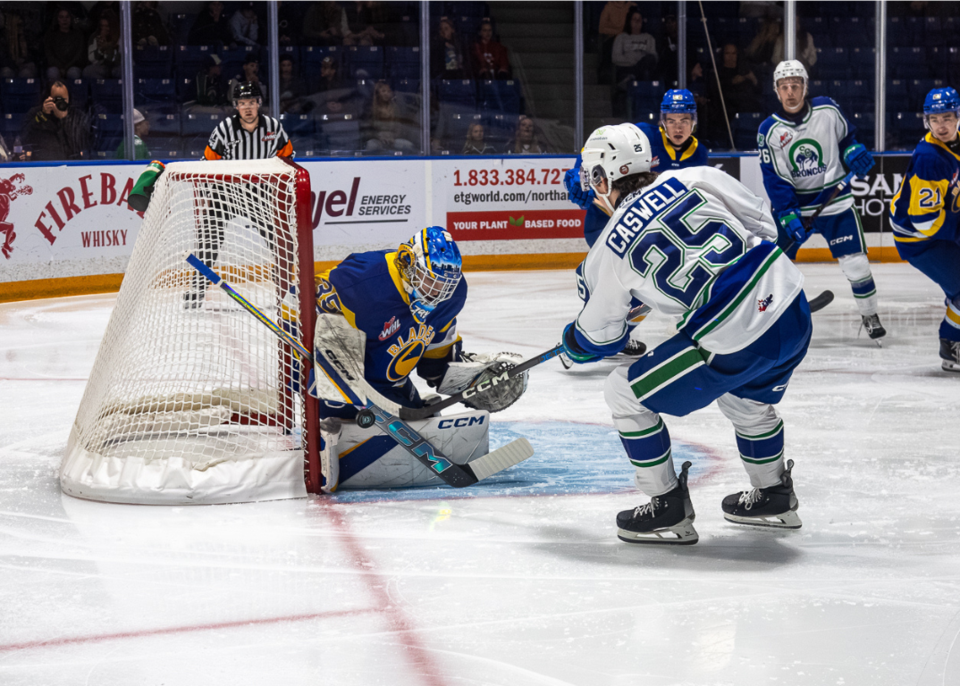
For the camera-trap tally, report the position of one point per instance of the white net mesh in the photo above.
(191, 398)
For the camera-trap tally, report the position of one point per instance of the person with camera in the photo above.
(55, 131)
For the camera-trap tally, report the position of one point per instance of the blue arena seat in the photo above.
(453, 125)
(189, 59)
(457, 91)
(20, 95)
(298, 125)
(906, 127)
(152, 62)
(833, 63)
(645, 96)
(908, 63)
(163, 123)
(746, 125)
(154, 91)
(363, 61)
(340, 133)
(79, 93)
(163, 147)
(499, 128)
(406, 85)
(10, 126)
(199, 124)
(403, 63)
(107, 94)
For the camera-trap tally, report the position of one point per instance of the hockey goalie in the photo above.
(401, 308)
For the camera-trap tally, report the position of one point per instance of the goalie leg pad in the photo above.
(369, 459)
(330, 430)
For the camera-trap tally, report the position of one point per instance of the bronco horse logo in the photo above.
(806, 156)
(8, 193)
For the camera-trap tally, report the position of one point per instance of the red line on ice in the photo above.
(146, 633)
(399, 623)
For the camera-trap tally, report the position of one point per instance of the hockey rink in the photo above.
(520, 580)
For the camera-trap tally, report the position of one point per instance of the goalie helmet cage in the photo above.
(191, 399)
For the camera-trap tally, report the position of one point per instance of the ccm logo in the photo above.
(777, 389)
(459, 423)
(842, 239)
(485, 385)
(332, 356)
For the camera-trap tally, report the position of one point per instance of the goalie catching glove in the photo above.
(485, 372)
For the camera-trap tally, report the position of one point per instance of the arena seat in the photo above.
(363, 61)
(298, 124)
(107, 94)
(746, 125)
(154, 91)
(164, 123)
(20, 95)
(340, 133)
(79, 92)
(199, 124)
(908, 63)
(152, 62)
(461, 92)
(403, 63)
(189, 59)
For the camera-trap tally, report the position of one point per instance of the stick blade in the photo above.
(821, 301)
(512, 453)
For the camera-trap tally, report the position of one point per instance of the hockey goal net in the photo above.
(191, 398)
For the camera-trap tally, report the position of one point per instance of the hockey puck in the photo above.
(366, 419)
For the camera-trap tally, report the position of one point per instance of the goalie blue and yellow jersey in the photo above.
(367, 289)
(925, 206)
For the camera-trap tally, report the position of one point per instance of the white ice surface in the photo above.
(522, 581)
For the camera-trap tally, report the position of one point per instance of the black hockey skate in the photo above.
(631, 351)
(666, 519)
(774, 507)
(871, 322)
(950, 354)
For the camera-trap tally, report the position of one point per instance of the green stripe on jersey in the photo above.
(741, 296)
(666, 372)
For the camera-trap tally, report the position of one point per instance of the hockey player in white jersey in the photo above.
(803, 149)
(697, 245)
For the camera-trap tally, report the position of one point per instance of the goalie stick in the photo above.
(406, 437)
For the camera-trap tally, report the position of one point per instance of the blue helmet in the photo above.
(431, 265)
(678, 101)
(940, 101)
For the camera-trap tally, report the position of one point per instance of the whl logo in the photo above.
(8, 193)
(389, 328)
(806, 157)
(518, 222)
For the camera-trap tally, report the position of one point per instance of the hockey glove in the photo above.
(573, 350)
(858, 160)
(792, 224)
(579, 197)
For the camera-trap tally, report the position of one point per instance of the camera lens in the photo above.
(61, 104)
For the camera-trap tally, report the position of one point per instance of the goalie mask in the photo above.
(610, 154)
(431, 265)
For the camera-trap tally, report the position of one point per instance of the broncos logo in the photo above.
(806, 158)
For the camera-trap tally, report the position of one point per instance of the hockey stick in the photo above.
(820, 301)
(406, 437)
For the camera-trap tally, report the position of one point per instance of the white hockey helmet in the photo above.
(789, 68)
(611, 153)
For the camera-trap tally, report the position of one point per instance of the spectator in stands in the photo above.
(148, 28)
(806, 50)
(525, 140)
(474, 144)
(447, 56)
(211, 27)
(291, 86)
(612, 19)
(388, 121)
(65, 48)
(211, 90)
(634, 52)
(99, 9)
(761, 47)
(16, 55)
(251, 74)
(141, 127)
(324, 24)
(362, 18)
(741, 88)
(104, 50)
(243, 25)
(54, 130)
(490, 60)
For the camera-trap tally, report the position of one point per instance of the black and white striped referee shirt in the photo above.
(230, 141)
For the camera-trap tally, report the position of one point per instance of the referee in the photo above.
(246, 135)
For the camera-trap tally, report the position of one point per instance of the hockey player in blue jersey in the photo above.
(803, 149)
(673, 146)
(406, 302)
(925, 213)
(697, 245)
